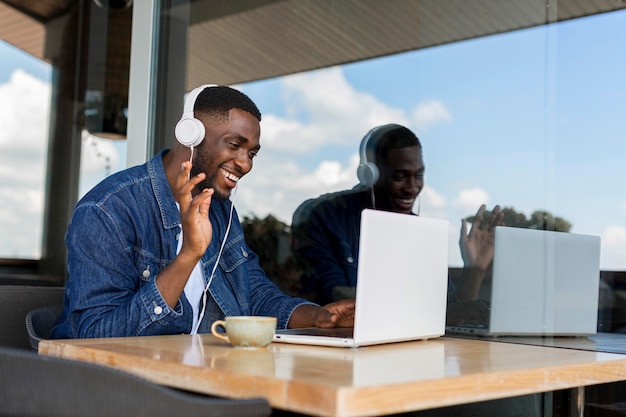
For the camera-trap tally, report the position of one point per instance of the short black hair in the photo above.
(392, 136)
(219, 100)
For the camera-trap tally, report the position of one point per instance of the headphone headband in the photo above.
(190, 101)
(367, 171)
(189, 130)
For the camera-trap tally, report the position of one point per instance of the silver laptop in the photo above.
(544, 283)
(402, 284)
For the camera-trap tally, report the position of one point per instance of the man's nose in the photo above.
(244, 162)
(413, 184)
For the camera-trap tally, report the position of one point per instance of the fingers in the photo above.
(496, 210)
(329, 320)
(203, 201)
(478, 218)
(337, 314)
(481, 211)
(185, 185)
(463, 229)
(183, 175)
(489, 222)
(495, 218)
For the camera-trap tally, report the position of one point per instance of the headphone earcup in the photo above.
(189, 131)
(367, 173)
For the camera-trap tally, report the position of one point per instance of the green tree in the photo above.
(270, 239)
(539, 219)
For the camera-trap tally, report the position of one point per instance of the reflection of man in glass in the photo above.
(391, 174)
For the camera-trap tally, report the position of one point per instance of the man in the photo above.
(391, 174)
(158, 248)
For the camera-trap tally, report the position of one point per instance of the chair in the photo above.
(39, 322)
(15, 303)
(47, 386)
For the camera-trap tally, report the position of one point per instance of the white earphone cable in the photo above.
(219, 255)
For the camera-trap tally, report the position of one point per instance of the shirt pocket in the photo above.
(234, 255)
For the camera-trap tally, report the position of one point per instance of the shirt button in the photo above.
(158, 310)
(146, 273)
(350, 259)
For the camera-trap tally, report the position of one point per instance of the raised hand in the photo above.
(477, 246)
(194, 212)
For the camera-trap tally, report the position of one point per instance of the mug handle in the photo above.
(215, 325)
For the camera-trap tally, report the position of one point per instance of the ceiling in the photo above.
(233, 42)
(272, 38)
(41, 10)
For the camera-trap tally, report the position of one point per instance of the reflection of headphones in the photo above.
(367, 171)
(189, 130)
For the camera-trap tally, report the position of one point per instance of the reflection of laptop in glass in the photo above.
(395, 364)
(402, 284)
(544, 283)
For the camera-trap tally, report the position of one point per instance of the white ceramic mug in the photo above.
(246, 331)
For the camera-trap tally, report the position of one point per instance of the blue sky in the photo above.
(531, 119)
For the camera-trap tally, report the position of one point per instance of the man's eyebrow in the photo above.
(409, 169)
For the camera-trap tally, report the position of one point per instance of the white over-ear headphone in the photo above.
(367, 171)
(189, 130)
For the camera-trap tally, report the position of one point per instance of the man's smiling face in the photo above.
(401, 179)
(227, 151)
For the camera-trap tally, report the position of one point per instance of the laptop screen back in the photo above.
(402, 277)
(544, 282)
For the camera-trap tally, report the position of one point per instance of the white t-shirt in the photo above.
(194, 288)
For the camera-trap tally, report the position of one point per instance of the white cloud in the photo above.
(24, 133)
(431, 203)
(322, 109)
(331, 173)
(613, 254)
(97, 154)
(288, 136)
(469, 200)
(278, 186)
(429, 113)
(24, 113)
(99, 158)
(326, 96)
(24, 118)
(334, 113)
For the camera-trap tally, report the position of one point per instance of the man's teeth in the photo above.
(230, 176)
(407, 201)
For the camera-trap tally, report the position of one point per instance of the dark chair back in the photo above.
(46, 386)
(15, 303)
(39, 322)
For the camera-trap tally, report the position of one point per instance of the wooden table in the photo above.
(600, 342)
(367, 381)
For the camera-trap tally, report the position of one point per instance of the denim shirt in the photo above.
(123, 233)
(326, 240)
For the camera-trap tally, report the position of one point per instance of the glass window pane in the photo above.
(25, 122)
(513, 107)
